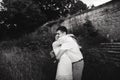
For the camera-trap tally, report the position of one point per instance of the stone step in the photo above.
(113, 43)
(113, 58)
(117, 52)
(110, 45)
(110, 49)
(105, 55)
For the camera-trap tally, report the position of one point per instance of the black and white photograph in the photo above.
(59, 40)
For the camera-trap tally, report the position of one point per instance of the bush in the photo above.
(27, 58)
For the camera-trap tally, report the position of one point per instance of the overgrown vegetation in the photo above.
(20, 17)
(25, 55)
(27, 58)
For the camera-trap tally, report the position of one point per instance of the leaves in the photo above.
(20, 17)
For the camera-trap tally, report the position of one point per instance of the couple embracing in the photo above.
(68, 55)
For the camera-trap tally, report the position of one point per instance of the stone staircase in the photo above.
(103, 62)
(111, 46)
(111, 52)
(107, 52)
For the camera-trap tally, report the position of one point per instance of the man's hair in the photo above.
(62, 28)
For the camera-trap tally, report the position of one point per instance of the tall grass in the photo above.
(27, 58)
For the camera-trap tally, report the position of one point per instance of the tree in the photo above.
(19, 17)
(78, 6)
(61, 7)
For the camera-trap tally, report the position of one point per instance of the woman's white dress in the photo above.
(64, 69)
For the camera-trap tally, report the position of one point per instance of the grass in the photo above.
(27, 58)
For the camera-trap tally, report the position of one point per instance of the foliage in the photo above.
(61, 7)
(28, 57)
(19, 17)
(78, 6)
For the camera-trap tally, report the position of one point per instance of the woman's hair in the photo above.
(62, 28)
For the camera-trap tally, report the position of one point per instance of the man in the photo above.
(68, 54)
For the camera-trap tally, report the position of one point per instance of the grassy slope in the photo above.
(27, 58)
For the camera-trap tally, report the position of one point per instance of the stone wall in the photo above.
(104, 18)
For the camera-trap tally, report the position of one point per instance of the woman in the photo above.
(64, 68)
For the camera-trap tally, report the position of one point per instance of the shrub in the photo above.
(27, 58)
